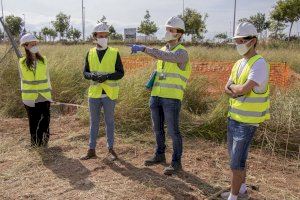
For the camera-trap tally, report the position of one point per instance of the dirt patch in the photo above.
(57, 173)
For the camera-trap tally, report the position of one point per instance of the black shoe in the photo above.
(156, 159)
(112, 155)
(91, 154)
(173, 168)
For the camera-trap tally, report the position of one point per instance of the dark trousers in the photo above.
(166, 110)
(39, 120)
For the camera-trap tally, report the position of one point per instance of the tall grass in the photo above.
(10, 102)
(202, 115)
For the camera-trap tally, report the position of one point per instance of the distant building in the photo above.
(146, 38)
(130, 34)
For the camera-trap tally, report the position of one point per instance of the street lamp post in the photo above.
(182, 8)
(24, 21)
(2, 9)
(83, 20)
(234, 15)
(3, 18)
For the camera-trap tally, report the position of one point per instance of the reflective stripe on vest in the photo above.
(175, 80)
(107, 66)
(252, 99)
(173, 75)
(166, 85)
(249, 113)
(36, 91)
(35, 82)
(250, 108)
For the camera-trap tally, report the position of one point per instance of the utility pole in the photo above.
(182, 8)
(234, 15)
(83, 20)
(24, 21)
(298, 28)
(230, 28)
(2, 9)
(3, 19)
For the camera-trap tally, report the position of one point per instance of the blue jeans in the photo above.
(166, 110)
(239, 137)
(95, 106)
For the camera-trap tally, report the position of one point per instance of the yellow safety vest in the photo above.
(250, 108)
(34, 82)
(175, 81)
(107, 66)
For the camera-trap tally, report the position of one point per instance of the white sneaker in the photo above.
(244, 196)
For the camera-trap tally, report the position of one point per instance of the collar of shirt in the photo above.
(170, 48)
(99, 49)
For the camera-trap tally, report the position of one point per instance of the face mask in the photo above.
(102, 42)
(170, 36)
(34, 49)
(242, 49)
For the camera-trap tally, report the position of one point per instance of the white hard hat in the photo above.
(245, 29)
(175, 22)
(28, 37)
(102, 27)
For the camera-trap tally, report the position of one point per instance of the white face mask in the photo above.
(34, 49)
(242, 49)
(102, 42)
(170, 36)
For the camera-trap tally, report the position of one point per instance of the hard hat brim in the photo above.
(174, 27)
(101, 32)
(243, 36)
(29, 41)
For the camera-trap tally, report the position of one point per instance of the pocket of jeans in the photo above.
(171, 102)
(244, 131)
(152, 102)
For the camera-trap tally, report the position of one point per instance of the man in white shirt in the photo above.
(249, 104)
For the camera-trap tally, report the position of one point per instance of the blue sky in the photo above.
(129, 13)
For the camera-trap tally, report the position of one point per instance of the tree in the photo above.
(61, 24)
(102, 20)
(221, 36)
(73, 34)
(259, 21)
(45, 32)
(38, 36)
(194, 23)
(116, 36)
(113, 35)
(276, 28)
(14, 24)
(112, 30)
(52, 34)
(287, 11)
(277, 22)
(147, 26)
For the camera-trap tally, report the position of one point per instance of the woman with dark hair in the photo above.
(36, 90)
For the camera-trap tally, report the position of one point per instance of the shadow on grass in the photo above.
(177, 188)
(66, 168)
